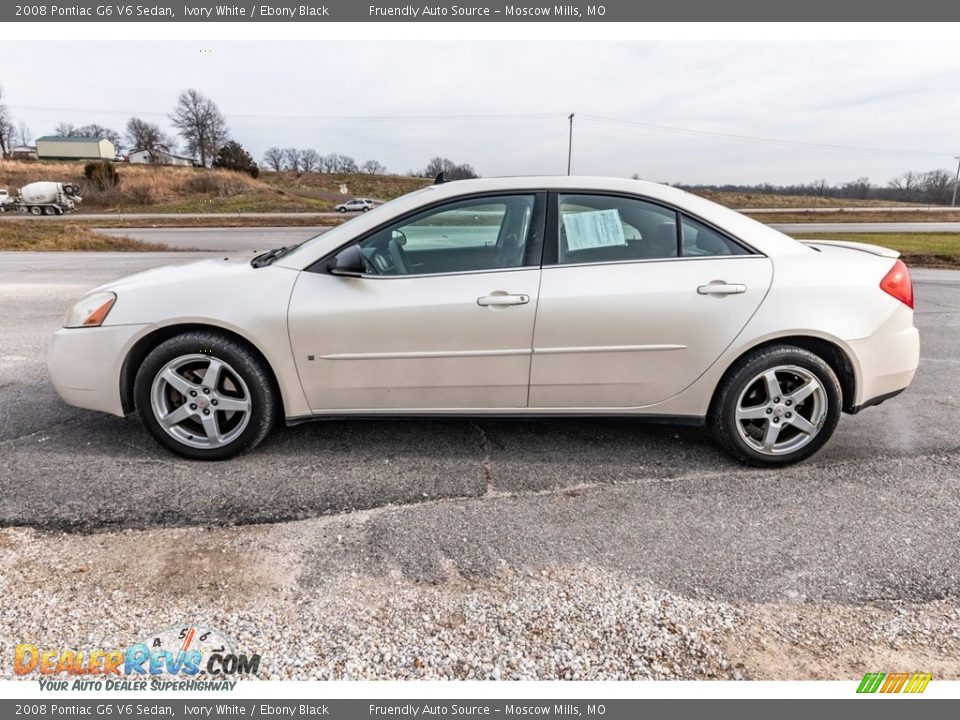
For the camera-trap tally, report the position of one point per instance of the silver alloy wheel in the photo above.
(781, 410)
(200, 401)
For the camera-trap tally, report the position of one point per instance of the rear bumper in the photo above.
(887, 359)
(84, 365)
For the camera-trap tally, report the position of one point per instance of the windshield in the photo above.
(383, 209)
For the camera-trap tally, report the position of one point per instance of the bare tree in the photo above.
(6, 127)
(65, 129)
(93, 130)
(450, 169)
(292, 158)
(326, 163)
(273, 159)
(200, 124)
(309, 160)
(143, 135)
(372, 167)
(24, 136)
(337, 163)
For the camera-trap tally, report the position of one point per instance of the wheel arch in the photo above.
(145, 345)
(830, 351)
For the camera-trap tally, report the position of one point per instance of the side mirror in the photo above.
(348, 261)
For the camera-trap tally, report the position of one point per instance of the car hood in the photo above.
(180, 273)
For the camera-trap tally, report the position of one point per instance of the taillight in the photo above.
(897, 284)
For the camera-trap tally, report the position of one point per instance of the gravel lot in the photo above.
(451, 548)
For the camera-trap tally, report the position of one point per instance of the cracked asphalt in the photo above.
(872, 518)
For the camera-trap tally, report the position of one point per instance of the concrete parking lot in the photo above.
(874, 518)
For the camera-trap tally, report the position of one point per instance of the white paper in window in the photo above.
(592, 229)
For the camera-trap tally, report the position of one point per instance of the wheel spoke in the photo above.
(772, 385)
(229, 404)
(770, 435)
(176, 416)
(757, 412)
(802, 424)
(178, 382)
(211, 427)
(804, 391)
(211, 378)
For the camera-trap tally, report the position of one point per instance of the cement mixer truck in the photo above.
(41, 198)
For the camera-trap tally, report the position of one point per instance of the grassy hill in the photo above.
(145, 188)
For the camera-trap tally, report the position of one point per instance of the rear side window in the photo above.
(700, 240)
(602, 228)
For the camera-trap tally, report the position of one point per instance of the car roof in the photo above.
(759, 236)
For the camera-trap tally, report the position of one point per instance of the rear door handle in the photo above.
(500, 299)
(721, 288)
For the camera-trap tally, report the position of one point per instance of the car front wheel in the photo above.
(205, 396)
(776, 406)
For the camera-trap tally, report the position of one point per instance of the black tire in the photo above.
(265, 405)
(739, 380)
(341, 210)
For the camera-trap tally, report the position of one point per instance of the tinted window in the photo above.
(601, 228)
(700, 240)
(469, 235)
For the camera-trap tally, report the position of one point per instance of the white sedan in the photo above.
(537, 296)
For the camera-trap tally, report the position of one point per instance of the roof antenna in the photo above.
(439, 180)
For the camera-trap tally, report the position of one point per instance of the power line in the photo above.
(756, 139)
(322, 118)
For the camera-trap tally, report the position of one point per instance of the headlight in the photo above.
(91, 310)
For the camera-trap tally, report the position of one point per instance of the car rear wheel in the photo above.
(205, 396)
(777, 406)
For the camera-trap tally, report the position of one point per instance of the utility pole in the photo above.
(570, 145)
(956, 180)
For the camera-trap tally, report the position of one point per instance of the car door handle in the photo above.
(500, 299)
(721, 288)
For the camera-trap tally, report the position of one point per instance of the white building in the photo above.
(142, 157)
(59, 147)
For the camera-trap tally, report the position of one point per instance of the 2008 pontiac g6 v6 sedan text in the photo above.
(521, 296)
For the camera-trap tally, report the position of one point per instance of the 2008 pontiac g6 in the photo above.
(522, 296)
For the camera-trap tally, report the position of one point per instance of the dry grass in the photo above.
(146, 188)
(327, 187)
(53, 237)
(766, 200)
(857, 217)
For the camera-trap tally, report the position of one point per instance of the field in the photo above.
(149, 189)
(920, 249)
(769, 200)
(26, 235)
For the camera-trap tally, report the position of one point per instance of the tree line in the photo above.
(931, 187)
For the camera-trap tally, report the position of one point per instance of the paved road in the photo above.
(163, 216)
(228, 239)
(876, 515)
(867, 227)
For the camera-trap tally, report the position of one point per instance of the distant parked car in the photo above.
(535, 297)
(356, 205)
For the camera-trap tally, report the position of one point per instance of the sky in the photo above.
(801, 111)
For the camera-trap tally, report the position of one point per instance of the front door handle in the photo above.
(721, 288)
(501, 299)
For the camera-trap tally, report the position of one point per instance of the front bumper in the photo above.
(85, 364)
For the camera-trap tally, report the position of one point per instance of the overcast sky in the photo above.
(899, 101)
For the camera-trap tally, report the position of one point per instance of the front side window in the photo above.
(602, 228)
(469, 235)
